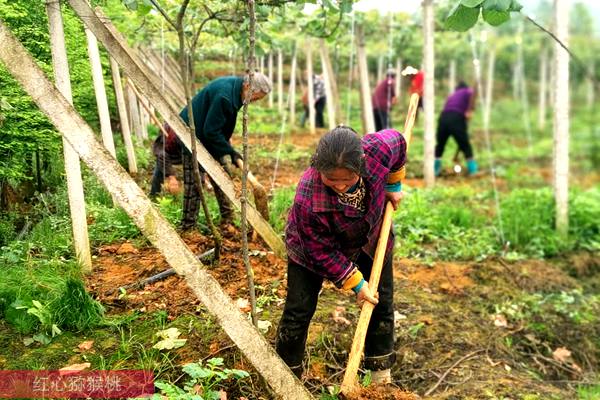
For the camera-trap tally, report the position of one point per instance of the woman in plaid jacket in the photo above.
(332, 233)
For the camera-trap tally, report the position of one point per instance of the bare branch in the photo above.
(163, 13)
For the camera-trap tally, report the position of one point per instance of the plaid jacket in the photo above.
(324, 235)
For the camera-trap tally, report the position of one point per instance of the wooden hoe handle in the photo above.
(251, 178)
(349, 384)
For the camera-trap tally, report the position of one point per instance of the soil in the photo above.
(121, 264)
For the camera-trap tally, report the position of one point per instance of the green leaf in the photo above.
(495, 18)
(131, 4)
(515, 6)
(462, 18)
(197, 371)
(496, 5)
(170, 339)
(471, 3)
(215, 362)
(42, 338)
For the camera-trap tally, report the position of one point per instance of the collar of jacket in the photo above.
(236, 94)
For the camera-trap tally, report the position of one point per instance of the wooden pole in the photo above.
(100, 90)
(270, 67)
(134, 111)
(123, 117)
(335, 94)
(452, 76)
(368, 121)
(75, 192)
(331, 117)
(561, 118)
(543, 91)
(428, 92)
(292, 93)
(349, 384)
(310, 88)
(280, 81)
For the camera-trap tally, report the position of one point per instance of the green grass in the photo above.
(591, 392)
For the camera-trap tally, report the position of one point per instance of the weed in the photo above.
(74, 309)
(591, 392)
(205, 381)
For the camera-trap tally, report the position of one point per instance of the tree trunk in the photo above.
(327, 78)
(148, 219)
(368, 122)
(292, 88)
(428, 92)
(270, 64)
(561, 118)
(280, 81)
(310, 87)
(452, 76)
(543, 89)
(122, 108)
(72, 167)
(99, 89)
(146, 83)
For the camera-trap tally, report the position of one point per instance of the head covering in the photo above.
(391, 72)
(410, 70)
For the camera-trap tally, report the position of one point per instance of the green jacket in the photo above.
(215, 112)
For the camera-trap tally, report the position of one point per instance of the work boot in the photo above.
(381, 377)
(472, 166)
(437, 166)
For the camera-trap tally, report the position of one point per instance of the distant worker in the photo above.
(383, 99)
(320, 100)
(215, 110)
(416, 83)
(453, 122)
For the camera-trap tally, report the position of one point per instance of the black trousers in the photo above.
(319, 108)
(382, 119)
(453, 124)
(300, 305)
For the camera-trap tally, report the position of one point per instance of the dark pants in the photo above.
(191, 198)
(319, 108)
(382, 120)
(453, 124)
(301, 303)
(164, 164)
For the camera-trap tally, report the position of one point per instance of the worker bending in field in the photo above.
(453, 122)
(215, 110)
(332, 232)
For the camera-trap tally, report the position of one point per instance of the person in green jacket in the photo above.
(215, 110)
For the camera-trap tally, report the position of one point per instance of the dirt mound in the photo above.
(446, 277)
(377, 392)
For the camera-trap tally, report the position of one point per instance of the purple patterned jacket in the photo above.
(324, 235)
